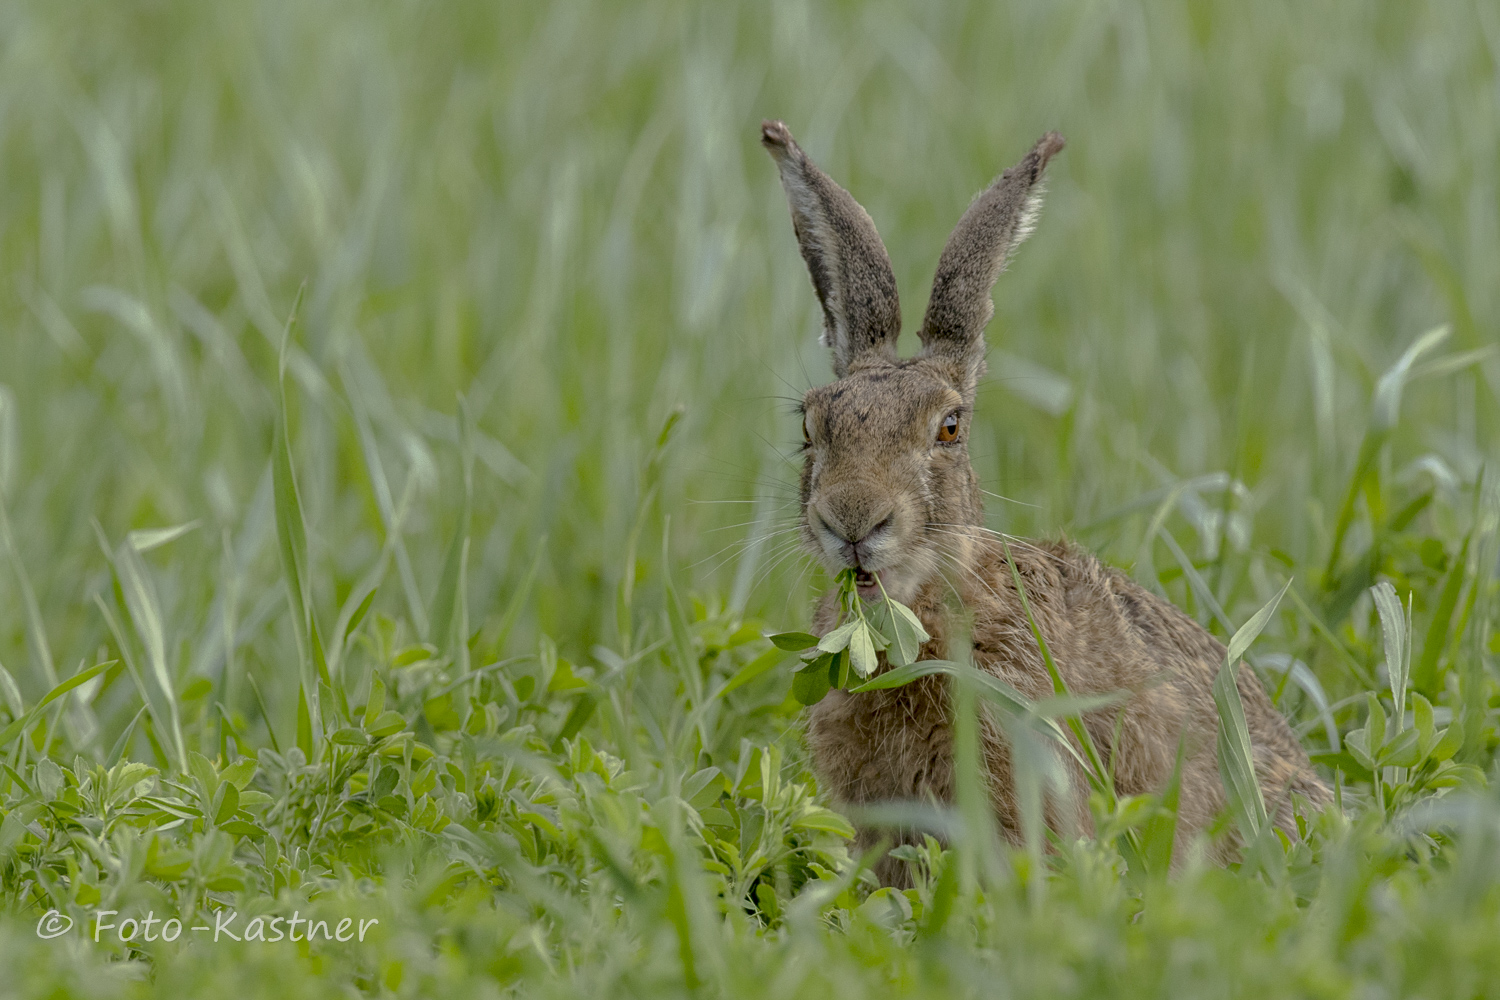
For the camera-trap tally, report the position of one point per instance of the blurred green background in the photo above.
(560, 212)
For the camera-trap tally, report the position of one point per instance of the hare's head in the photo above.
(886, 483)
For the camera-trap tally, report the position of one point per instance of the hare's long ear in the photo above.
(995, 224)
(850, 270)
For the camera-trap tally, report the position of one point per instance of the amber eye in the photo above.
(949, 431)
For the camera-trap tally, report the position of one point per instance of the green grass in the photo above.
(461, 340)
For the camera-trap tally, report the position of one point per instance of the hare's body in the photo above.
(1106, 634)
(887, 489)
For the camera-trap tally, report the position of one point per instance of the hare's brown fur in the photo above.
(887, 489)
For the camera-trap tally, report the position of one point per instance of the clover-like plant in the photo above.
(852, 649)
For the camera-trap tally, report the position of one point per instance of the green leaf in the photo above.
(1236, 762)
(11, 693)
(1357, 744)
(810, 684)
(48, 777)
(840, 637)
(838, 669)
(862, 651)
(564, 680)
(147, 539)
(582, 709)
(755, 668)
(241, 828)
(360, 612)
(386, 724)
(1395, 628)
(901, 676)
(375, 705)
(1424, 676)
(291, 534)
(226, 803)
(703, 788)
(1384, 412)
(1094, 768)
(825, 820)
(240, 772)
(793, 642)
(1374, 724)
(1448, 743)
(1385, 408)
(1457, 774)
(16, 727)
(1422, 722)
(411, 655)
(1403, 751)
(304, 725)
(907, 633)
(445, 601)
(203, 769)
(1159, 835)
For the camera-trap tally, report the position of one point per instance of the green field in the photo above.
(397, 450)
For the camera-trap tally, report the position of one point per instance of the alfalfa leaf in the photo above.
(838, 639)
(862, 650)
(793, 642)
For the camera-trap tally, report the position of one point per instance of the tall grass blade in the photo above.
(1385, 411)
(18, 726)
(1097, 774)
(291, 533)
(144, 610)
(392, 515)
(36, 631)
(11, 693)
(1395, 627)
(1236, 760)
(1159, 834)
(1424, 676)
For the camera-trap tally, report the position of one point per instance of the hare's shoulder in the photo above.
(1094, 613)
(1115, 623)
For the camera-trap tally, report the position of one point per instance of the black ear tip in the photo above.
(776, 137)
(1049, 146)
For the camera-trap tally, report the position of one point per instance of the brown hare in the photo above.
(887, 489)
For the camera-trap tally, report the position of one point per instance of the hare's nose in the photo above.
(853, 527)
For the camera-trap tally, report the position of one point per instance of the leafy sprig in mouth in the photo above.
(852, 649)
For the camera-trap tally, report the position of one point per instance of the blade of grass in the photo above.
(1159, 834)
(1236, 761)
(1424, 677)
(36, 632)
(144, 611)
(1395, 627)
(265, 713)
(392, 516)
(1097, 773)
(291, 533)
(1385, 411)
(18, 726)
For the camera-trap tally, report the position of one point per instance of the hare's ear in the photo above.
(850, 270)
(995, 224)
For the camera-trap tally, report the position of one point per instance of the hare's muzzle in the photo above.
(850, 535)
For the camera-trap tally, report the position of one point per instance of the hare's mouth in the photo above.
(868, 582)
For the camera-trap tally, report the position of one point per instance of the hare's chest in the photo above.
(884, 745)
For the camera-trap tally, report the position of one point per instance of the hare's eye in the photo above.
(948, 432)
(806, 437)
